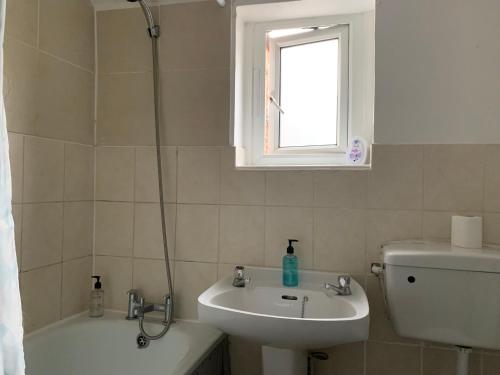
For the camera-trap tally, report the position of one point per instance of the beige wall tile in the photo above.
(16, 151)
(37, 311)
(114, 228)
(491, 365)
(78, 172)
(389, 359)
(146, 174)
(198, 176)
(116, 280)
(437, 224)
(195, 107)
(492, 179)
(148, 239)
(21, 21)
(289, 188)
(224, 270)
(444, 362)
(17, 215)
(67, 30)
(20, 82)
(343, 360)
(242, 235)
(242, 187)
(197, 236)
(453, 177)
(283, 223)
(76, 286)
(42, 234)
(395, 181)
(78, 229)
(246, 356)
(65, 96)
(346, 189)
(125, 112)
(195, 35)
(383, 226)
(115, 173)
(150, 278)
(191, 279)
(339, 240)
(43, 170)
(491, 228)
(119, 33)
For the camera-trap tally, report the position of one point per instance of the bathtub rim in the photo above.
(193, 366)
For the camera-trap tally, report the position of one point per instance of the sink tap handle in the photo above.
(133, 293)
(133, 299)
(344, 281)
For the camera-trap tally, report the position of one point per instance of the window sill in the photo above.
(333, 167)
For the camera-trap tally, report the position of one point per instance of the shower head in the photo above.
(154, 30)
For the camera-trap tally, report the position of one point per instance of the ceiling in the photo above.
(119, 4)
(300, 7)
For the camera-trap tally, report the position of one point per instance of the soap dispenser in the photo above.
(96, 305)
(290, 266)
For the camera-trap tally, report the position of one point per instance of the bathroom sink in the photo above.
(303, 317)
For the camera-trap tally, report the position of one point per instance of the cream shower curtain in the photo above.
(11, 329)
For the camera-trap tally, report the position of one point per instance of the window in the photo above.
(307, 90)
(302, 87)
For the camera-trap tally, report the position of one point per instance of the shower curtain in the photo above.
(11, 329)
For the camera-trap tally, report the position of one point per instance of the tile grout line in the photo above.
(63, 229)
(219, 216)
(133, 216)
(22, 203)
(38, 25)
(38, 137)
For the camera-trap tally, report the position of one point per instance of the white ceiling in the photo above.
(120, 4)
(300, 7)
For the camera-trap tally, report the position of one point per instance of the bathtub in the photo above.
(107, 346)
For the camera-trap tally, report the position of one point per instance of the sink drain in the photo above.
(142, 342)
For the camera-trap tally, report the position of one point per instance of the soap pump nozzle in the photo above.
(97, 284)
(290, 248)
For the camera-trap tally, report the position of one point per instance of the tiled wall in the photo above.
(49, 98)
(219, 217)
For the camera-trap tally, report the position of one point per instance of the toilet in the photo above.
(441, 293)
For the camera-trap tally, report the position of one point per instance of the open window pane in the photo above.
(308, 94)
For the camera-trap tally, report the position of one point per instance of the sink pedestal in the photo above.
(283, 361)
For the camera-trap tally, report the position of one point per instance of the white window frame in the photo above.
(339, 32)
(297, 156)
(248, 99)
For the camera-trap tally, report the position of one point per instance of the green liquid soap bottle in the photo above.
(290, 266)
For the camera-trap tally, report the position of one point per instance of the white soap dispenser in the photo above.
(96, 304)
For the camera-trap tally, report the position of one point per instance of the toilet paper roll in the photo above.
(467, 231)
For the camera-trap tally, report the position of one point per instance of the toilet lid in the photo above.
(442, 256)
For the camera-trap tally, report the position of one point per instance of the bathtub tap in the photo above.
(137, 306)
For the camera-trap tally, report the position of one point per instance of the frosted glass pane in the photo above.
(308, 94)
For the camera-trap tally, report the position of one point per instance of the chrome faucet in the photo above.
(137, 306)
(344, 287)
(240, 281)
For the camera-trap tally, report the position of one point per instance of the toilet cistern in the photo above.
(432, 294)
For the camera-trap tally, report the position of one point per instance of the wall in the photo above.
(49, 98)
(219, 217)
(437, 72)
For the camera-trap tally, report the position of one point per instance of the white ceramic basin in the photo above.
(271, 314)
